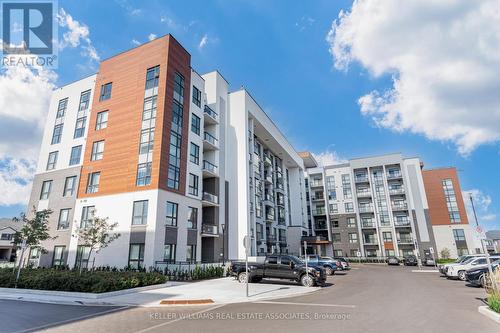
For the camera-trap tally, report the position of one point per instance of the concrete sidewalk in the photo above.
(220, 291)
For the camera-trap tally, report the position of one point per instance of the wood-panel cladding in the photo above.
(127, 72)
(438, 210)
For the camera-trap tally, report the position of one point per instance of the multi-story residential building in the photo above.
(492, 241)
(184, 167)
(8, 249)
(377, 207)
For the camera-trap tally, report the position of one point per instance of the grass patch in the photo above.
(445, 261)
(494, 303)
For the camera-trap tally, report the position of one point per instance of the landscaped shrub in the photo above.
(197, 273)
(72, 280)
(492, 287)
(494, 302)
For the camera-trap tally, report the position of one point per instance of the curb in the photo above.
(485, 311)
(187, 302)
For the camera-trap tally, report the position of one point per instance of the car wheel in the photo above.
(481, 281)
(242, 277)
(329, 270)
(461, 275)
(306, 280)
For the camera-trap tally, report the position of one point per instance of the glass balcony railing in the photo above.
(269, 217)
(271, 238)
(281, 221)
(366, 209)
(282, 239)
(267, 160)
(211, 139)
(398, 190)
(368, 224)
(402, 222)
(316, 184)
(208, 110)
(370, 241)
(361, 179)
(363, 194)
(319, 211)
(399, 206)
(394, 175)
(320, 226)
(209, 197)
(210, 167)
(405, 240)
(209, 229)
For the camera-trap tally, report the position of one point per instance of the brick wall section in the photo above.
(436, 199)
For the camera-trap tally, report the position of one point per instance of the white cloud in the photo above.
(151, 37)
(304, 23)
(135, 42)
(16, 176)
(443, 56)
(482, 203)
(77, 32)
(203, 41)
(328, 158)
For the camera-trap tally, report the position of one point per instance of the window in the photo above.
(194, 154)
(6, 237)
(80, 127)
(97, 150)
(84, 100)
(101, 120)
(353, 238)
(389, 253)
(61, 108)
(451, 201)
(169, 252)
(459, 235)
(336, 238)
(82, 256)
(351, 222)
(273, 260)
(63, 222)
(149, 110)
(193, 184)
(387, 236)
(335, 224)
(353, 253)
(87, 216)
(136, 256)
(93, 182)
(197, 96)
(52, 160)
(105, 91)
(46, 188)
(334, 208)
(143, 174)
(174, 163)
(147, 140)
(140, 212)
(192, 217)
(349, 207)
(191, 253)
(152, 77)
(57, 134)
(171, 214)
(337, 253)
(58, 257)
(76, 153)
(69, 186)
(285, 261)
(195, 124)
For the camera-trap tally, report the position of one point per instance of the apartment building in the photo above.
(377, 207)
(172, 157)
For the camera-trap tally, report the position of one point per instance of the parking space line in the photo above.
(307, 304)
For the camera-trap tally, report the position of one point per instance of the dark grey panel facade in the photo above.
(344, 245)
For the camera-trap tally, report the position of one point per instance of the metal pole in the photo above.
(246, 261)
(20, 264)
(305, 256)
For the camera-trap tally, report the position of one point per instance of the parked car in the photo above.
(458, 271)
(410, 260)
(344, 263)
(428, 261)
(285, 267)
(392, 261)
(329, 264)
(476, 275)
(444, 267)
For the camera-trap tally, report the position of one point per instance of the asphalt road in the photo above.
(372, 298)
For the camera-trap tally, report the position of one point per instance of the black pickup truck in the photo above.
(285, 267)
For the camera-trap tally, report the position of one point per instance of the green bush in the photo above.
(197, 273)
(494, 302)
(72, 280)
(445, 261)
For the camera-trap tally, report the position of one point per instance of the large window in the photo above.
(143, 174)
(87, 216)
(191, 253)
(93, 182)
(62, 107)
(58, 256)
(152, 77)
(84, 100)
(147, 141)
(195, 124)
(169, 252)
(46, 188)
(349, 207)
(459, 235)
(149, 111)
(80, 127)
(82, 256)
(451, 201)
(193, 184)
(101, 120)
(63, 222)
(353, 238)
(69, 186)
(136, 256)
(351, 222)
(174, 163)
(76, 153)
(57, 134)
(387, 236)
(171, 214)
(52, 160)
(197, 96)
(97, 150)
(194, 154)
(140, 212)
(105, 91)
(192, 217)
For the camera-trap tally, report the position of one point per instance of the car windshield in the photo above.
(462, 259)
(468, 260)
(296, 259)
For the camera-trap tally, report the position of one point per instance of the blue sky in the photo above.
(279, 51)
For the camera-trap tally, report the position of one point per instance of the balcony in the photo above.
(317, 198)
(361, 179)
(317, 183)
(402, 223)
(210, 116)
(270, 217)
(209, 230)
(369, 224)
(405, 240)
(281, 221)
(366, 209)
(268, 200)
(363, 194)
(320, 226)
(271, 239)
(319, 211)
(396, 191)
(394, 175)
(370, 241)
(400, 206)
(279, 185)
(282, 239)
(267, 160)
(268, 179)
(210, 142)
(209, 169)
(209, 199)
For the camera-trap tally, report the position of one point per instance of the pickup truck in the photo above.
(284, 267)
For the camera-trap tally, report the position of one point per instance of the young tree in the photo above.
(445, 253)
(97, 235)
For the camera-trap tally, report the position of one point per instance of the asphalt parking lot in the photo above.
(371, 298)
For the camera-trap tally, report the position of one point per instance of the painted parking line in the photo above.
(308, 304)
(425, 271)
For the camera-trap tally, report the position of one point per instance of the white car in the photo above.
(458, 270)
(444, 267)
